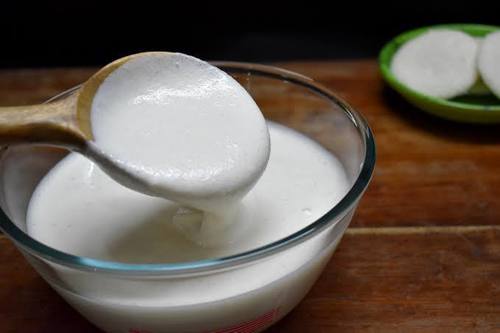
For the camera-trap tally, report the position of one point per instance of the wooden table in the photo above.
(422, 253)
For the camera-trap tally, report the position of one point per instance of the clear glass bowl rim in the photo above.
(32, 246)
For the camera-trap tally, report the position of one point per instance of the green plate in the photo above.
(467, 108)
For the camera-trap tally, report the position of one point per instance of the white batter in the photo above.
(174, 126)
(80, 210)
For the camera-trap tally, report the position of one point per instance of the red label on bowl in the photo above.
(250, 326)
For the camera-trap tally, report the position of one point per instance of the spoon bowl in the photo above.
(218, 148)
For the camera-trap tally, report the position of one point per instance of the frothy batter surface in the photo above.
(187, 130)
(80, 210)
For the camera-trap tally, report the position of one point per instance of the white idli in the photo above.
(439, 63)
(489, 62)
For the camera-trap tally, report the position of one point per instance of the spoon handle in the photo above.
(52, 123)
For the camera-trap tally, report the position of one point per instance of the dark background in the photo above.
(87, 33)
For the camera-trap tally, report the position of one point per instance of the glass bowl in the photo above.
(154, 298)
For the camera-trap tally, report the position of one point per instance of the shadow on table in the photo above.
(460, 132)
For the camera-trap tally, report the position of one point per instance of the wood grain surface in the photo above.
(385, 280)
(422, 253)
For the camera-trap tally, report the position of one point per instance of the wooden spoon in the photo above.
(65, 122)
